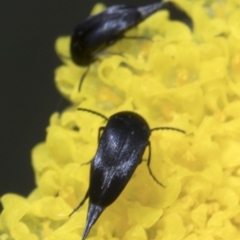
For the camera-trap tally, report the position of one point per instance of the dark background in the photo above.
(27, 62)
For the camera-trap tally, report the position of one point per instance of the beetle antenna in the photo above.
(168, 128)
(93, 112)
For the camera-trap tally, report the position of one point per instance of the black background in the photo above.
(28, 95)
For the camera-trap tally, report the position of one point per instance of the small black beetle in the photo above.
(120, 150)
(102, 30)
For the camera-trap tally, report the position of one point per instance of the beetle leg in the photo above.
(82, 78)
(99, 133)
(148, 165)
(80, 204)
(85, 163)
(99, 136)
(113, 40)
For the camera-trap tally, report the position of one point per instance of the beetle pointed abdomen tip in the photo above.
(94, 211)
(150, 9)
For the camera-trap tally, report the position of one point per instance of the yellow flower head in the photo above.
(182, 79)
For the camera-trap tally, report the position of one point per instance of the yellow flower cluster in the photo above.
(183, 79)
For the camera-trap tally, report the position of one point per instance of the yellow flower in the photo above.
(183, 79)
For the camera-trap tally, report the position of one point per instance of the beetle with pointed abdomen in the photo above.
(98, 32)
(120, 151)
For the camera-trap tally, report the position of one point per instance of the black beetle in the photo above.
(120, 150)
(102, 30)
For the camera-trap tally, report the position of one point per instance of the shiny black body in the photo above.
(120, 150)
(99, 31)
